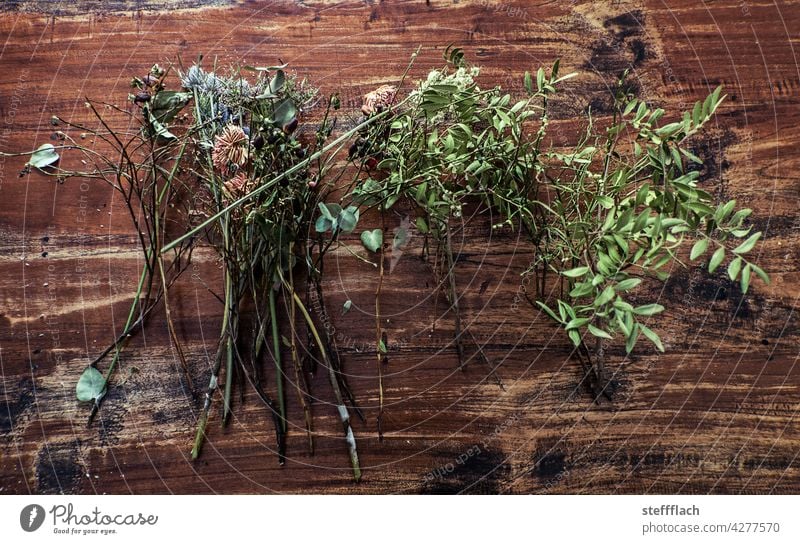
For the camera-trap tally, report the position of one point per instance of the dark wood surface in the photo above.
(718, 413)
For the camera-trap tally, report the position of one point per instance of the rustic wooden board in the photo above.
(717, 414)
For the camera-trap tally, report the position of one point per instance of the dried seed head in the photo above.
(194, 78)
(230, 148)
(290, 126)
(141, 97)
(379, 99)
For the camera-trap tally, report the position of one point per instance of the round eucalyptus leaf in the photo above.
(277, 82)
(372, 239)
(348, 219)
(285, 112)
(91, 385)
(44, 156)
(323, 224)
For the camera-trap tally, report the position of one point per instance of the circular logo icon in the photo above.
(31, 517)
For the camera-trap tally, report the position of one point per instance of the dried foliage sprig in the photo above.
(142, 166)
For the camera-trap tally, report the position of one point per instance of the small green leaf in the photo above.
(734, 267)
(606, 296)
(748, 244)
(725, 210)
(159, 129)
(548, 311)
(716, 259)
(44, 156)
(653, 337)
(630, 342)
(332, 212)
(621, 321)
(91, 385)
(600, 333)
(264, 68)
(628, 284)
(741, 233)
(575, 337)
(562, 311)
(699, 248)
(167, 104)
(624, 306)
(701, 209)
(577, 323)
(697, 113)
(576, 272)
(745, 279)
(581, 289)
(372, 239)
(760, 273)
(528, 83)
(691, 156)
(676, 158)
(346, 306)
(422, 226)
(641, 195)
(740, 216)
(641, 111)
(382, 346)
(648, 309)
(605, 201)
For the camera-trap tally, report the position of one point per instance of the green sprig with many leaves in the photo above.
(606, 217)
(627, 202)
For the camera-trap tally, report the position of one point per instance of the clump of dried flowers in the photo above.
(247, 135)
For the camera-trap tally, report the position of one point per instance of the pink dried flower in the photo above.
(230, 148)
(238, 185)
(379, 99)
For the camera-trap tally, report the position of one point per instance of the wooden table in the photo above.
(718, 413)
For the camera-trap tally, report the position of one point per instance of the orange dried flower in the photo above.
(230, 148)
(379, 99)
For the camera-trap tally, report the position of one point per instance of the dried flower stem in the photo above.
(380, 344)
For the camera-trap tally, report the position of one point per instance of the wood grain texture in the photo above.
(718, 413)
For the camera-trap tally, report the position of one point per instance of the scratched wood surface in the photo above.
(718, 413)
